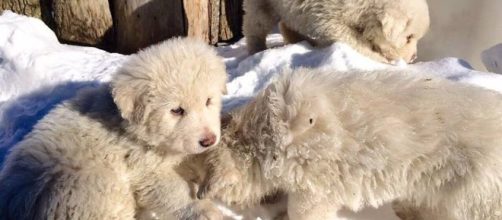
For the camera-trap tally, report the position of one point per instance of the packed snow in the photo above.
(37, 73)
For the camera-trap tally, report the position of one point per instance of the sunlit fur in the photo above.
(110, 152)
(376, 28)
(375, 137)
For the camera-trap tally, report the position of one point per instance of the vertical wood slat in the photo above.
(35, 8)
(230, 20)
(82, 21)
(214, 21)
(197, 19)
(26, 7)
(140, 23)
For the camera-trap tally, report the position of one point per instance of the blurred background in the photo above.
(462, 28)
(459, 28)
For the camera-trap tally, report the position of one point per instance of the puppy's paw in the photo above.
(211, 215)
(215, 183)
(207, 210)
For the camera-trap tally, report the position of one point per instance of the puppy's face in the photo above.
(183, 116)
(170, 95)
(399, 30)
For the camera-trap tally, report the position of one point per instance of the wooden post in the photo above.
(82, 21)
(230, 20)
(26, 7)
(197, 19)
(140, 23)
(214, 18)
(33, 8)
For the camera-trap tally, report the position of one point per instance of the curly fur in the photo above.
(378, 28)
(332, 140)
(111, 152)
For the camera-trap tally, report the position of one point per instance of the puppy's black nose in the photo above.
(208, 140)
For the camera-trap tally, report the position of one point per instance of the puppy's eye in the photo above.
(178, 111)
(208, 102)
(409, 38)
(311, 121)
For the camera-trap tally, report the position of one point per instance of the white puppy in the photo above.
(110, 153)
(332, 140)
(385, 30)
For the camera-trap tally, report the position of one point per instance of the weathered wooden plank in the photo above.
(34, 8)
(82, 21)
(197, 19)
(230, 20)
(140, 23)
(214, 20)
(27, 7)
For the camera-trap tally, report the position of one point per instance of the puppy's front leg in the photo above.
(259, 20)
(307, 206)
(167, 195)
(222, 173)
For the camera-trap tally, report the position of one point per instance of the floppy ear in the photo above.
(127, 95)
(393, 24)
(275, 106)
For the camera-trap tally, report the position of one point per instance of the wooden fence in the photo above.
(128, 25)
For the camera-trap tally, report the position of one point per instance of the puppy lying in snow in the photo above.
(111, 152)
(330, 140)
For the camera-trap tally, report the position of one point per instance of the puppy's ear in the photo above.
(274, 104)
(393, 23)
(127, 94)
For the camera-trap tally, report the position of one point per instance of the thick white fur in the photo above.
(376, 28)
(110, 153)
(331, 140)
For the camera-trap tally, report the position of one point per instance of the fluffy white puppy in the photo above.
(110, 153)
(332, 140)
(385, 30)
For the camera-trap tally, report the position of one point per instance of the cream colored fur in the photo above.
(332, 140)
(384, 30)
(111, 152)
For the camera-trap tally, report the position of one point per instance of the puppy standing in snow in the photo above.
(110, 153)
(331, 140)
(385, 30)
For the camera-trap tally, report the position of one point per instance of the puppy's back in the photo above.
(51, 173)
(425, 109)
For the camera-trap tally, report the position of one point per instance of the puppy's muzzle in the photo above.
(208, 140)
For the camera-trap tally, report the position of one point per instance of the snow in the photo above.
(37, 72)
